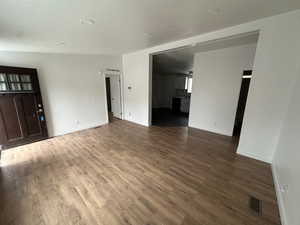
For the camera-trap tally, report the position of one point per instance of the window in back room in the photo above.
(188, 84)
(172, 88)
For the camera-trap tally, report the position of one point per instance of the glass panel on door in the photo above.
(13, 77)
(27, 86)
(2, 77)
(15, 87)
(25, 78)
(3, 86)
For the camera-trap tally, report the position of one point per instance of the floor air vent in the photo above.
(255, 205)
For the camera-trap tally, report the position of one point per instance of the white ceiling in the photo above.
(182, 60)
(120, 25)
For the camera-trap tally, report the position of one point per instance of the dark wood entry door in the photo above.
(28, 106)
(22, 118)
(10, 124)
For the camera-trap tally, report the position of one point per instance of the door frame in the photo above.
(110, 73)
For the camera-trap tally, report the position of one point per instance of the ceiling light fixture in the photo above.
(87, 21)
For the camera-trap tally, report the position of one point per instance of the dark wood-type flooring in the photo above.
(123, 173)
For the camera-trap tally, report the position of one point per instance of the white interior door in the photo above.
(115, 89)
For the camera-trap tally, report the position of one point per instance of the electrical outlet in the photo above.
(129, 113)
(77, 122)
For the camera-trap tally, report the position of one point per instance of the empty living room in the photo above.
(139, 112)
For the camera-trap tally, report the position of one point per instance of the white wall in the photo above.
(136, 99)
(72, 88)
(286, 166)
(274, 67)
(216, 87)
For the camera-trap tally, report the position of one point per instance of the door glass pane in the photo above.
(2, 77)
(14, 78)
(25, 78)
(3, 87)
(27, 87)
(16, 87)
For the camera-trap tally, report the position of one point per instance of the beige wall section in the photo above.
(72, 87)
(216, 86)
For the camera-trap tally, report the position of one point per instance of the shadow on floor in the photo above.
(167, 118)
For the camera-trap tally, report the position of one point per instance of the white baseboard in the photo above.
(253, 156)
(81, 128)
(280, 203)
(138, 123)
(210, 131)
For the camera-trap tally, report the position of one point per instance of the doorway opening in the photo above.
(211, 80)
(172, 76)
(108, 98)
(239, 116)
(113, 95)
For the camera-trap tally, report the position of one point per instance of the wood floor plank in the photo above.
(127, 174)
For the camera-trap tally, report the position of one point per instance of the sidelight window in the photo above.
(188, 84)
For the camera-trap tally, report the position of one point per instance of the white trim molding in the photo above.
(280, 202)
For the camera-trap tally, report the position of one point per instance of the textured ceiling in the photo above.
(120, 26)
